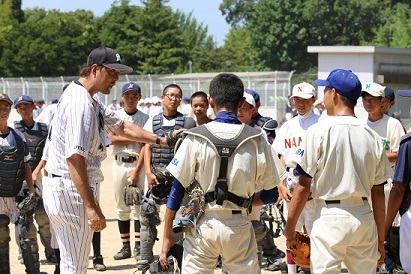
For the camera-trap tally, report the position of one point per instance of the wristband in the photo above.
(158, 140)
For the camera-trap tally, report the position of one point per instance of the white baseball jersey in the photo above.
(7, 204)
(343, 169)
(140, 119)
(79, 126)
(390, 130)
(253, 164)
(46, 115)
(166, 122)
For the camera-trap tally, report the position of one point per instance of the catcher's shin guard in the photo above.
(4, 244)
(148, 236)
(44, 228)
(29, 247)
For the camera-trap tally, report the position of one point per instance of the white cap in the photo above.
(155, 99)
(249, 99)
(141, 102)
(374, 89)
(318, 101)
(147, 100)
(303, 90)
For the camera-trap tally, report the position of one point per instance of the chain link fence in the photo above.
(273, 87)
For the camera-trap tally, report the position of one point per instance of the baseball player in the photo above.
(400, 197)
(76, 148)
(199, 106)
(225, 228)
(268, 124)
(35, 134)
(14, 168)
(390, 129)
(288, 139)
(157, 157)
(127, 169)
(348, 163)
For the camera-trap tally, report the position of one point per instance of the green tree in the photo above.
(161, 47)
(50, 43)
(121, 28)
(237, 12)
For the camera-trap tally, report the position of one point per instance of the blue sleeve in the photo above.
(302, 172)
(402, 171)
(176, 195)
(269, 196)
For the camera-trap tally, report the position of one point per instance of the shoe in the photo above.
(137, 253)
(124, 253)
(142, 264)
(98, 263)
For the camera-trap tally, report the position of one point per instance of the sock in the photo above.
(96, 243)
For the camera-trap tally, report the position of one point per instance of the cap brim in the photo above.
(321, 83)
(302, 95)
(139, 92)
(120, 67)
(404, 92)
(8, 101)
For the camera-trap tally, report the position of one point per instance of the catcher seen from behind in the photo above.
(300, 249)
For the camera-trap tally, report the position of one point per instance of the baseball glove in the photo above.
(28, 204)
(191, 208)
(160, 191)
(132, 195)
(300, 249)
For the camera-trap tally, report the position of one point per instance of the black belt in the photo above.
(55, 176)
(126, 159)
(236, 211)
(242, 202)
(328, 202)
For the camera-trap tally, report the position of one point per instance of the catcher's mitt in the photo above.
(191, 208)
(132, 195)
(165, 180)
(28, 204)
(300, 249)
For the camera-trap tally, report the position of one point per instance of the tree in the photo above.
(121, 28)
(161, 47)
(237, 11)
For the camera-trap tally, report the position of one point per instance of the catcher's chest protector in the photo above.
(164, 154)
(35, 139)
(225, 148)
(11, 167)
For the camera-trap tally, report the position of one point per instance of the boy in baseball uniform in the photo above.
(288, 139)
(225, 228)
(348, 163)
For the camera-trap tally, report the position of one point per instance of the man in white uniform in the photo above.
(128, 169)
(288, 139)
(348, 163)
(225, 228)
(76, 148)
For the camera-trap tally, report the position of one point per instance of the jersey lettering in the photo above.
(386, 144)
(293, 142)
(300, 152)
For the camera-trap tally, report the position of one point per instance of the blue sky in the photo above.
(205, 11)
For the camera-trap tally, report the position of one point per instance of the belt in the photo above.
(328, 202)
(55, 176)
(126, 159)
(236, 211)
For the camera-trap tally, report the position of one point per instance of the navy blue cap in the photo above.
(130, 86)
(404, 93)
(54, 101)
(254, 94)
(345, 82)
(23, 99)
(389, 94)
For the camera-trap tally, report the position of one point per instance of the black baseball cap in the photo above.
(6, 98)
(108, 57)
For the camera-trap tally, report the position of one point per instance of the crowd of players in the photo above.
(137, 160)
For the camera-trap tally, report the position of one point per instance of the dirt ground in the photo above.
(111, 242)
